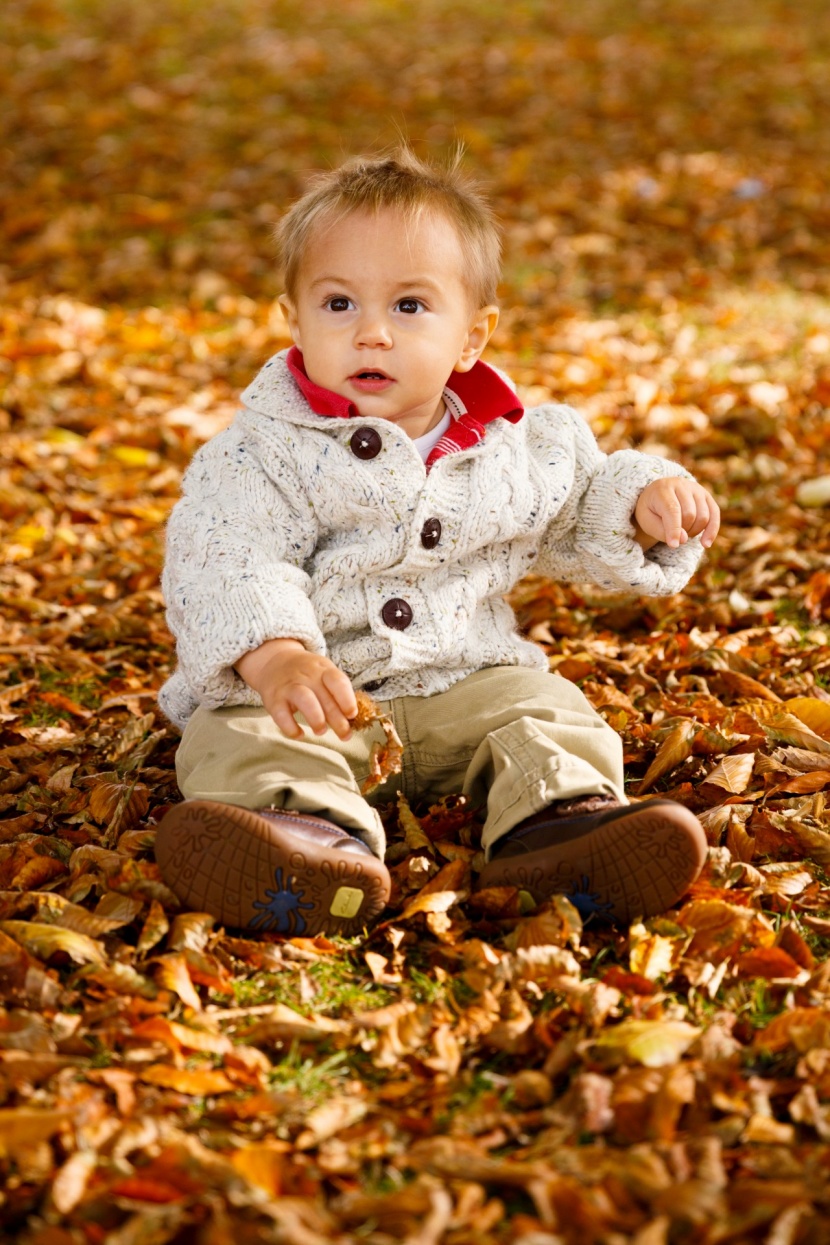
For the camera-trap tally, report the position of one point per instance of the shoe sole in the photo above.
(253, 875)
(638, 863)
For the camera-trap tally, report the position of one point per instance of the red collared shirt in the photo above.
(476, 399)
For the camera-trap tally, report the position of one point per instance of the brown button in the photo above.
(431, 533)
(397, 614)
(365, 443)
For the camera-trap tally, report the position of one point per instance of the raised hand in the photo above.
(674, 509)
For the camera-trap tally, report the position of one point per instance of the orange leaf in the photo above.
(769, 962)
(441, 893)
(803, 1028)
(58, 701)
(178, 1036)
(803, 784)
(37, 872)
(145, 1189)
(173, 975)
(197, 1082)
(262, 1165)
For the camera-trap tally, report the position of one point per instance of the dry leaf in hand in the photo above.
(386, 759)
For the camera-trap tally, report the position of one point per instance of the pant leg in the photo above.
(240, 756)
(513, 740)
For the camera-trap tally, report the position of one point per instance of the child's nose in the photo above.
(373, 331)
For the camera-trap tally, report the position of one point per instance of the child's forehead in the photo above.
(427, 232)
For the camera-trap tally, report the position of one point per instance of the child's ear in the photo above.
(481, 329)
(290, 313)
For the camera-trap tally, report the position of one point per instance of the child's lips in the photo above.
(371, 380)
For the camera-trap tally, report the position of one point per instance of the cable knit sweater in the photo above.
(283, 530)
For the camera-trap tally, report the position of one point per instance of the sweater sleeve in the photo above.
(592, 537)
(233, 575)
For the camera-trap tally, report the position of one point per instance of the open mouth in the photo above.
(371, 380)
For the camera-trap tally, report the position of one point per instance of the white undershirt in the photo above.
(425, 444)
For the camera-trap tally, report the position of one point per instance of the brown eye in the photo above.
(410, 306)
(338, 304)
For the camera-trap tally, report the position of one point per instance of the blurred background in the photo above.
(660, 168)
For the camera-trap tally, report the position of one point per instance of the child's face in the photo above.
(382, 315)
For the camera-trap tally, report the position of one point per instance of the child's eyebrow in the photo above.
(406, 283)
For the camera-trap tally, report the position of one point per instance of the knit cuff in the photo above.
(227, 626)
(605, 535)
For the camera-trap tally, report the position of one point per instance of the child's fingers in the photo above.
(671, 514)
(334, 716)
(306, 700)
(339, 687)
(285, 720)
(713, 526)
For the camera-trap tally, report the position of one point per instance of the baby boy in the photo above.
(358, 526)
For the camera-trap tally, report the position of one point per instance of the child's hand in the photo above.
(291, 680)
(672, 510)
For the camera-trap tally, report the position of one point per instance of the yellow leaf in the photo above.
(653, 955)
(44, 940)
(653, 1043)
(135, 456)
(812, 712)
(786, 728)
(414, 837)
(154, 928)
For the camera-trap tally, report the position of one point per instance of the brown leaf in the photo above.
(733, 773)
(25, 1126)
(119, 804)
(675, 748)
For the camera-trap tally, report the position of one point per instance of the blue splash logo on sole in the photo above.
(281, 914)
(588, 903)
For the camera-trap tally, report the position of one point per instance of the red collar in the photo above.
(481, 390)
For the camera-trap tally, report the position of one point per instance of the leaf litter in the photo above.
(472, 1069)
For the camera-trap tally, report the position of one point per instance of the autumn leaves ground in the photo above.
(470, 1072)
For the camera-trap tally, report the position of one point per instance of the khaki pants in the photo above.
(511, 739)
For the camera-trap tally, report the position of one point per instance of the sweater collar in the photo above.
(481, 393)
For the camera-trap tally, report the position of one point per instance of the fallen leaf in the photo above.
(652, 1043)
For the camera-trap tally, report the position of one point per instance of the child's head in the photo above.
(390, 269)
(402, 183)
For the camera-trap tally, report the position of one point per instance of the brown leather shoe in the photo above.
(614, 863)
(287, 873)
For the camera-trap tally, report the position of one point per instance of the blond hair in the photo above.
(402, 181)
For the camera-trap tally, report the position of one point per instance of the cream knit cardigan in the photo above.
(282, 531)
